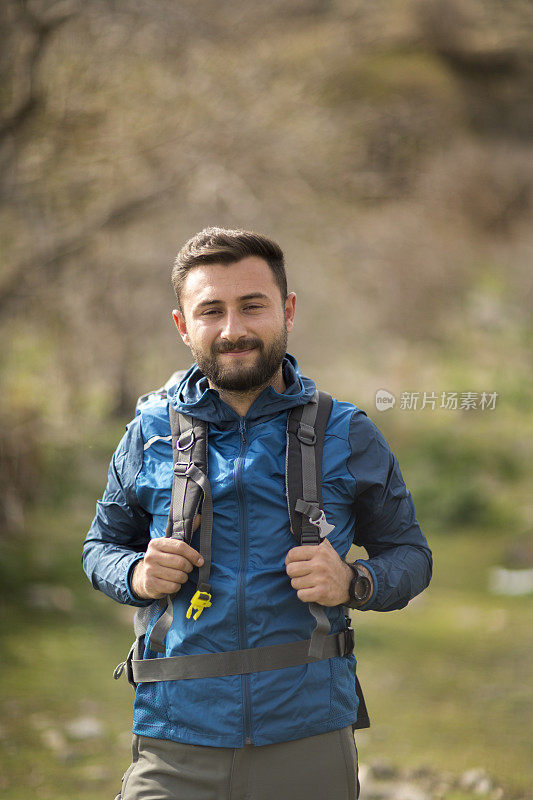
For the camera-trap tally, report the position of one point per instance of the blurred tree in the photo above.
(387, 147)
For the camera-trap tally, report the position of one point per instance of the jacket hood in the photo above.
(193, 396)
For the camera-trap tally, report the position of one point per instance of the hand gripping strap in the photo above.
(306, 427)
(190, 490)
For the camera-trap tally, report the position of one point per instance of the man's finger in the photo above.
(167, 544)
(305, 582)
(163, 588)
(309, 595)
(303, 553)
(160, 572)
(295, 569)
(171, 561)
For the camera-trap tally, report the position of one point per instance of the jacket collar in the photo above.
(193, 396)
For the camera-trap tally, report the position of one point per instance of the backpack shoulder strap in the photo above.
(190, 492)
(189, 450)
(306, 429)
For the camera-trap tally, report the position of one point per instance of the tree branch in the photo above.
(41, 30)
(49, 262)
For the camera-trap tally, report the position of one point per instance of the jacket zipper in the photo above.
(241, 596)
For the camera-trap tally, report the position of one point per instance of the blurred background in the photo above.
(388, 147)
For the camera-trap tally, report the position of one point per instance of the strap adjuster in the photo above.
(306, 434)
(182, 468)
(309, 510)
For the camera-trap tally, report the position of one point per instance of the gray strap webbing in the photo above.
(307, 438)
(188, 445)
(310, 533)
(234, 662)
(162, 626)
(206, 530)
(142, 618)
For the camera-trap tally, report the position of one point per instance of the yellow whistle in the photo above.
(199, 601)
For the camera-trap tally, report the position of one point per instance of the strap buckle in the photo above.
(199, 601)
(324, 527)
(347, 641)
(315, 516)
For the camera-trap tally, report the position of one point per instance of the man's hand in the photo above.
(319, 574)
(164, 569)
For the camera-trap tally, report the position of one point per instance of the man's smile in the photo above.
(238, 352)
(238, 349)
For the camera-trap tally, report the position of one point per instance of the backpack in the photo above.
(306, 426)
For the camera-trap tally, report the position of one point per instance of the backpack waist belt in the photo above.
(233, 662)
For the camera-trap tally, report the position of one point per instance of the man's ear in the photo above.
(179, 319)
(290, 307)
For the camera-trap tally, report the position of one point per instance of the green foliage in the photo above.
(463, 478)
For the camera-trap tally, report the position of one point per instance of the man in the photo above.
(283, 732)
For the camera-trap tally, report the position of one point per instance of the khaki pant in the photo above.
(322, 767)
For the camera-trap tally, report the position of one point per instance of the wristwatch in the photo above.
(359, 589)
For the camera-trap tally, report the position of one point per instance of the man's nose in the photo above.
(234, 327)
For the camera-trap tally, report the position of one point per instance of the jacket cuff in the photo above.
(136, 601)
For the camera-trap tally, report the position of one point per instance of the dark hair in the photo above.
(222, 246)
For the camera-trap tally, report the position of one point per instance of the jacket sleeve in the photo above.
(120, 531)
(385, 524)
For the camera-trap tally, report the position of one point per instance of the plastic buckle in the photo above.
(199, 601)
(349, 640)
(322, 524)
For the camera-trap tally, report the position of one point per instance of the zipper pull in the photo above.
(242, 429)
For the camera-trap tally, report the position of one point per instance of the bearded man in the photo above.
(248, 697)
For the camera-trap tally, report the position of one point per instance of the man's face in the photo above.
(235, 322)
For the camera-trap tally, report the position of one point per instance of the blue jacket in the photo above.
(254, 604)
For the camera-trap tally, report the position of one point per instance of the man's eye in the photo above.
(253, 307)
(210, 311)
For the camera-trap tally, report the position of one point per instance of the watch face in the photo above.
(360, 587)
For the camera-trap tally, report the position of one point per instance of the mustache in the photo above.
(242, 344)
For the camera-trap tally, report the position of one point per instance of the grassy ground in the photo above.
(445, 679)
(448, 678)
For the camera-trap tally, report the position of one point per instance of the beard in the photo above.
(238, 377)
